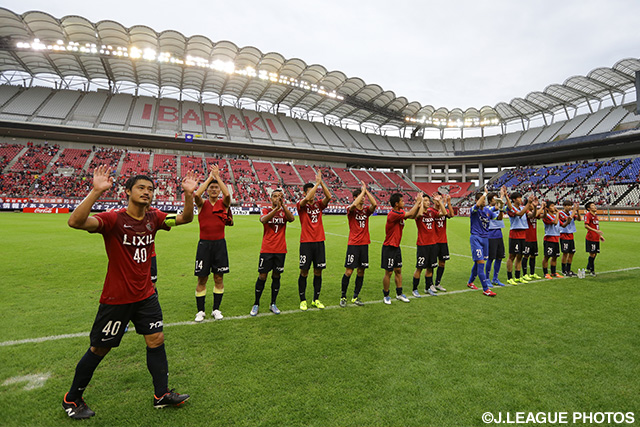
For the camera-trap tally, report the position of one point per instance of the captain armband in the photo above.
(170, 220)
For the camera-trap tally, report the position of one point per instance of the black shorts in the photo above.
(154, 269)
(592, 247)
(211, 257)
(357, 256)
(568, 246)
(551, 249)
(496, 248)
(312, 252)
(271, 262)
(516, 246)
(427, 256)
(530, 249)
(443, 251)
(111, 321)
(391, 258)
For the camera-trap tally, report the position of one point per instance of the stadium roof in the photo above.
(38, 43)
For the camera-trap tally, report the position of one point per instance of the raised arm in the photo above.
(480, 202)
(311, 194)
(325, 190)
(450, 213)
(266, 218)
(189, 186)
(533, 212)
(288, 215)
(576, 211)
(372, 200)
(438, 200)
(80, 219)
(226, 196)
(357, 200)
(203, 187)
(417, 208)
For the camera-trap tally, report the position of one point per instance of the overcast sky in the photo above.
(446, 53)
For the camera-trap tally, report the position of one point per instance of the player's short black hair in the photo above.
(515, 195)
(279, 190)
(356, 193)
(132, 181)
(426, 196)
(478, 195)
(567, 203)
(490, 196)
(586, 205)
(307, 186)
(395, 198)
(215, 181)
(551, 202)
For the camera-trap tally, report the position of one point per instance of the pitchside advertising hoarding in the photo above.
(62, 205)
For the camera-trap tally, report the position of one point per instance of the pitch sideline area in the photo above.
(328, 307)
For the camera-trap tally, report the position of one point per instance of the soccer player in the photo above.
(530, 252)
(312, 240)
(358, 245)
(551, 240)
(427, 249)
(496, 242)
(128, 293)
(212, 256)
(567, 218)
(441, 239)
(594, 235)
(391, 253)
(479, 242)
(274, 248)
(518, 228)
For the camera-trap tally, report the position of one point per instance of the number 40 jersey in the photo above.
(129, 244)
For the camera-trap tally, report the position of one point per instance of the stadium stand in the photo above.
(225, 168)
(192, 163)
(105, 156)
(382, 179)
(27, 102)
(631, 173)
(401, 184)
(306, 173)
(167, 116)
(36, 159)
(363, 176)
(116, 112)
(8, 153)
(135, 164)
(265, 172)
(347, 177)
(165, 164)
(288, 174)
(88, 110)
(72, 158)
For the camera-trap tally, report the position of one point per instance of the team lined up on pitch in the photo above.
(129, 294)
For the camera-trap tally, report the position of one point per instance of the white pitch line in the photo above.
(331, 307)
(33, 381)
(402, 246)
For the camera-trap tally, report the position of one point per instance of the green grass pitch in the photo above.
(547, 346)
